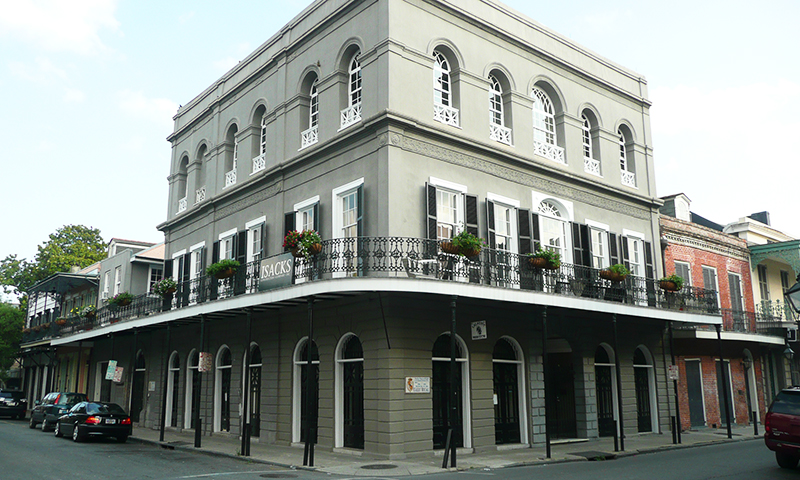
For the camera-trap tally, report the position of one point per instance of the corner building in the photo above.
(388, 126)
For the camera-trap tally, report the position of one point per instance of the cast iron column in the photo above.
(164, 391)
(453, 387)
(545, 366)
(308, 453)
(724, 382)
(246, 393)
(198, 430)
(619, 385)
(675, 385)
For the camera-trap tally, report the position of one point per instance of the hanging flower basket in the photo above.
(222, 269)
(61, 322)
(222, 274)
(312, 249)
(612, 276)
(668, 286)
(448, 247)
(303, 244)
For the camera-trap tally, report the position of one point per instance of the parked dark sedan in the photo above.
(13, 404)
(52, 406)
(94, 419)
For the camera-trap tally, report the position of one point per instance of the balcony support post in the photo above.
(197, 427)
(308, 452)
(724, 382)
(545, 378)
(619, 384)
(678, 423)
(165, 363)
(246, 394)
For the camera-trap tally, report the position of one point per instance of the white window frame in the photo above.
(466, 399)
(586, 128)
(187, 406)
(297, 364)
(254, 232)
(598, 237)
(218, 387)
(567, 210)
(511, 205)
(225, 240)
(106, 281)
(741, 291)
(338, 400)
(336, 196)
(443, 109)
(304, 213)
(354, 81)
(150, 276)
(716, 281)
(687, 282)
(636, 239)
(544, 120)
(458, 191)
(171, 388)
(117, 280)
(313, 106)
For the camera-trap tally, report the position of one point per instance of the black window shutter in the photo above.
(524, 229)
(430, 208)
(316, 217)
(613, 248)
(360, 212)
(240, 244)
(215, 252)
(471, 213)
(648, 260)
(491, 240)
(288, 225)
(186, 260)
(263, 252)
(537, 237)
(167, 269)
(626, 259)
(580, 245)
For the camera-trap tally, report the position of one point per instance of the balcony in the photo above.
(259, 163)
(230, 178)
(200, 194)
(445, 114)
(182, 205)
(411, 258)
(628, 178)
(548, 150)
(308, 137)
(350, 115)
(590, 165)
(500, 133)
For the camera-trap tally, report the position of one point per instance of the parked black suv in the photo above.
(52, 406)
(782, 427)
(13, 403)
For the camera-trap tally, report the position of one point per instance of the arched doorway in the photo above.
(222, 396)
(644, 382)
(560, 390)
(605, 388)
(508, 382)
(444, 393)
(192, 388)
(302, 414)
(137, 389)
(173, 385)
(254, 400)
(749, 365)
(350, 392)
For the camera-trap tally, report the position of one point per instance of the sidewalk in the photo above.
(352, 464)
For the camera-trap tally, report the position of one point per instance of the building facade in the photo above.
(389, 127)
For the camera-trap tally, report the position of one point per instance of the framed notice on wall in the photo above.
(112, 368)
(204, 362)
(418, 384)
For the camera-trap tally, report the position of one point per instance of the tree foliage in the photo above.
(12, 320)
(70, 245)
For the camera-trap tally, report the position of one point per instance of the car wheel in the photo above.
(32, 424)
(57, 430)
(45, 427)
(122, 439)
(76, 434)
(785, 460)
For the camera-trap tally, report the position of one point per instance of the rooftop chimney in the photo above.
(762, 217)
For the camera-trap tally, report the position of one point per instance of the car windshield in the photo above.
(786, 403)
(71, 399)
(96, 408)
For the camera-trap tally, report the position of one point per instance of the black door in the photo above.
(255, 392)
(353, 394)
(225, 392)
(641, 380)
(694, 390)
(560, 391)
(605, 400)
(176, 376)
(137, 390)
(307, 416)
(723, 392)
(105, 385)
(506, 394)
(195, 394)
(444, 396)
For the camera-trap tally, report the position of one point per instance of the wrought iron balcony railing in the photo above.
(399, 257)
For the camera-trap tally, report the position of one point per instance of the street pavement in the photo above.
(357, 463)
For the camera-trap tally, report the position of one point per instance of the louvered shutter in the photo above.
(263, 251)
(360, 211)
(289, 225)
(613, 248)
(649, 269)
(316, 217)
(430, 208)
(626, 259)
(240, 255)
(524, 229)
(490, 223)
(212, 283)
(471, 213)
(581, 252)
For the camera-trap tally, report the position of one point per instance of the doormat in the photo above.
(594, 455)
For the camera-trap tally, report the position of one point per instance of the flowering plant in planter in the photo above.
(121, 299)
(615, 273)
(303, 244)
(165, 287)
(61, 321)
(88, 311)
(465, 243)
(222, 269)
(672, 283)
(544, 258)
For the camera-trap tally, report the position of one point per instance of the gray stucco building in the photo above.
(389, 126)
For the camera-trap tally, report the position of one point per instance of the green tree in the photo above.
(70, 245)
(12, 320)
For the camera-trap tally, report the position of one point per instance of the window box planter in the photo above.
(464, 243)
(672, 283)
(122, 299)
(545, 259)
(165, 287)
(222, 269)
(61, 322)
(615, 273)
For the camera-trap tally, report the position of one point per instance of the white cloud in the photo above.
(72, 95)
(157, 110)
(60, 26)
(41, 71)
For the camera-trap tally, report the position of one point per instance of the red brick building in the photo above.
(698, 251)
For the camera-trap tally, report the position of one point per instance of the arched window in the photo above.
(199, 182)
(627, 171)
(192, 389)
(222, 391)
(173, 385)
(509, 388)
(259, 145)
(544, 127)
(443, 393)
(352, 113)
(302, 415)
(350, 393)
(590, 163)
(231, 156)
(497, 122)
(553, 229)
(310, 135)
(443, 106)
(181, 184)
(645, 383)
(606, 390)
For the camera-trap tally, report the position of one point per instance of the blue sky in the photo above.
(89, 88)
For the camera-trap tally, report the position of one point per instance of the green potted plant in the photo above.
(89, 311)
(671, 283)
(544, 258)
(121, 299)
(615, 273)
(26, 331)
(222, 269)
(303, 244)
(165, 287)
(464, 243)
(61, 321)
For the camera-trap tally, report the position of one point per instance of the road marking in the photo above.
(220, 474)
